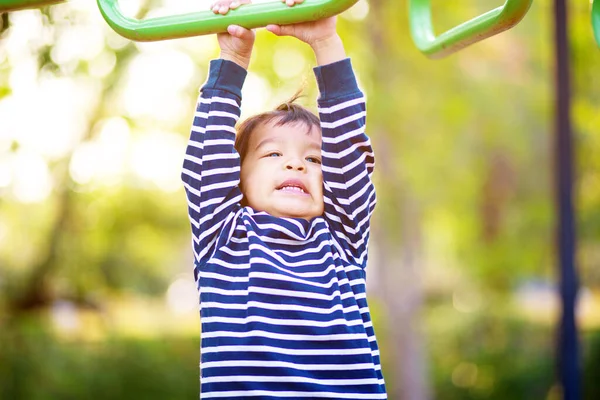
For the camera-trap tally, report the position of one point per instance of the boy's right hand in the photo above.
(236, 44)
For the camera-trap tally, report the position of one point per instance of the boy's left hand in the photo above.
(309, 32)
(321, 35)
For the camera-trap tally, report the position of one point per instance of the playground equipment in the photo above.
(596, 20)
(13, 5)
(256, 15)
(206, 22)
(463, 35)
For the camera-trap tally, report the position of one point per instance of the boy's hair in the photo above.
(286, 113)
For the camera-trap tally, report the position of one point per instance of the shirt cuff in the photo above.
(225, 75)
(336, 80)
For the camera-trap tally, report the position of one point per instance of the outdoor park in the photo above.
(483, 275)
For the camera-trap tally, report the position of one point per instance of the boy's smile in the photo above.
(281, 173)
(293, 186)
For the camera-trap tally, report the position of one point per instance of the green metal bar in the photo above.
(14, 5)
(472, 31)
(206, 22)
(596, 20)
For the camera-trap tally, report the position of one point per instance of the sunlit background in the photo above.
(96, 285)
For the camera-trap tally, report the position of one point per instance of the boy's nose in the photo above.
(295, 163)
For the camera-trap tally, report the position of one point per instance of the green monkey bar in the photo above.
(596, 20)
(206, 22)
(461, 36)
(257, 15)
(13, 5)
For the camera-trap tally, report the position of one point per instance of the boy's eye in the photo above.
(273, 154)
(313, 160)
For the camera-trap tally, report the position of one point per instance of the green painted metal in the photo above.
(596, 20)
(206, 22)
(14, 5)
(463, 35)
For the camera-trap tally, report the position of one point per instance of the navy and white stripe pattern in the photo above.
(283, 306)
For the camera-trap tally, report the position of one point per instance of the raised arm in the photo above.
(211, 167)
(348, 158)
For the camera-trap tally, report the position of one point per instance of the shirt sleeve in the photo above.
(348, 158)
(211, 167)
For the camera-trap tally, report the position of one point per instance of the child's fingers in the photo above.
(234, 30)
(276, 29)
(291, 3)
(239, 32)
(219, 8)
(223, 7)
(281, 30)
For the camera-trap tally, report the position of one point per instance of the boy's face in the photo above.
(281, 173)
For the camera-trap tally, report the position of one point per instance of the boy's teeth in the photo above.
(293, 188)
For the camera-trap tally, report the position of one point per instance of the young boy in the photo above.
(280, 226)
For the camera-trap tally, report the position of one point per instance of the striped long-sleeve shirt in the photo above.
(283, 307)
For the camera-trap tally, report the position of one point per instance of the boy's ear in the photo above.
(243, 202)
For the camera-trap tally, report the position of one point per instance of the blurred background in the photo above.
(97, 298)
